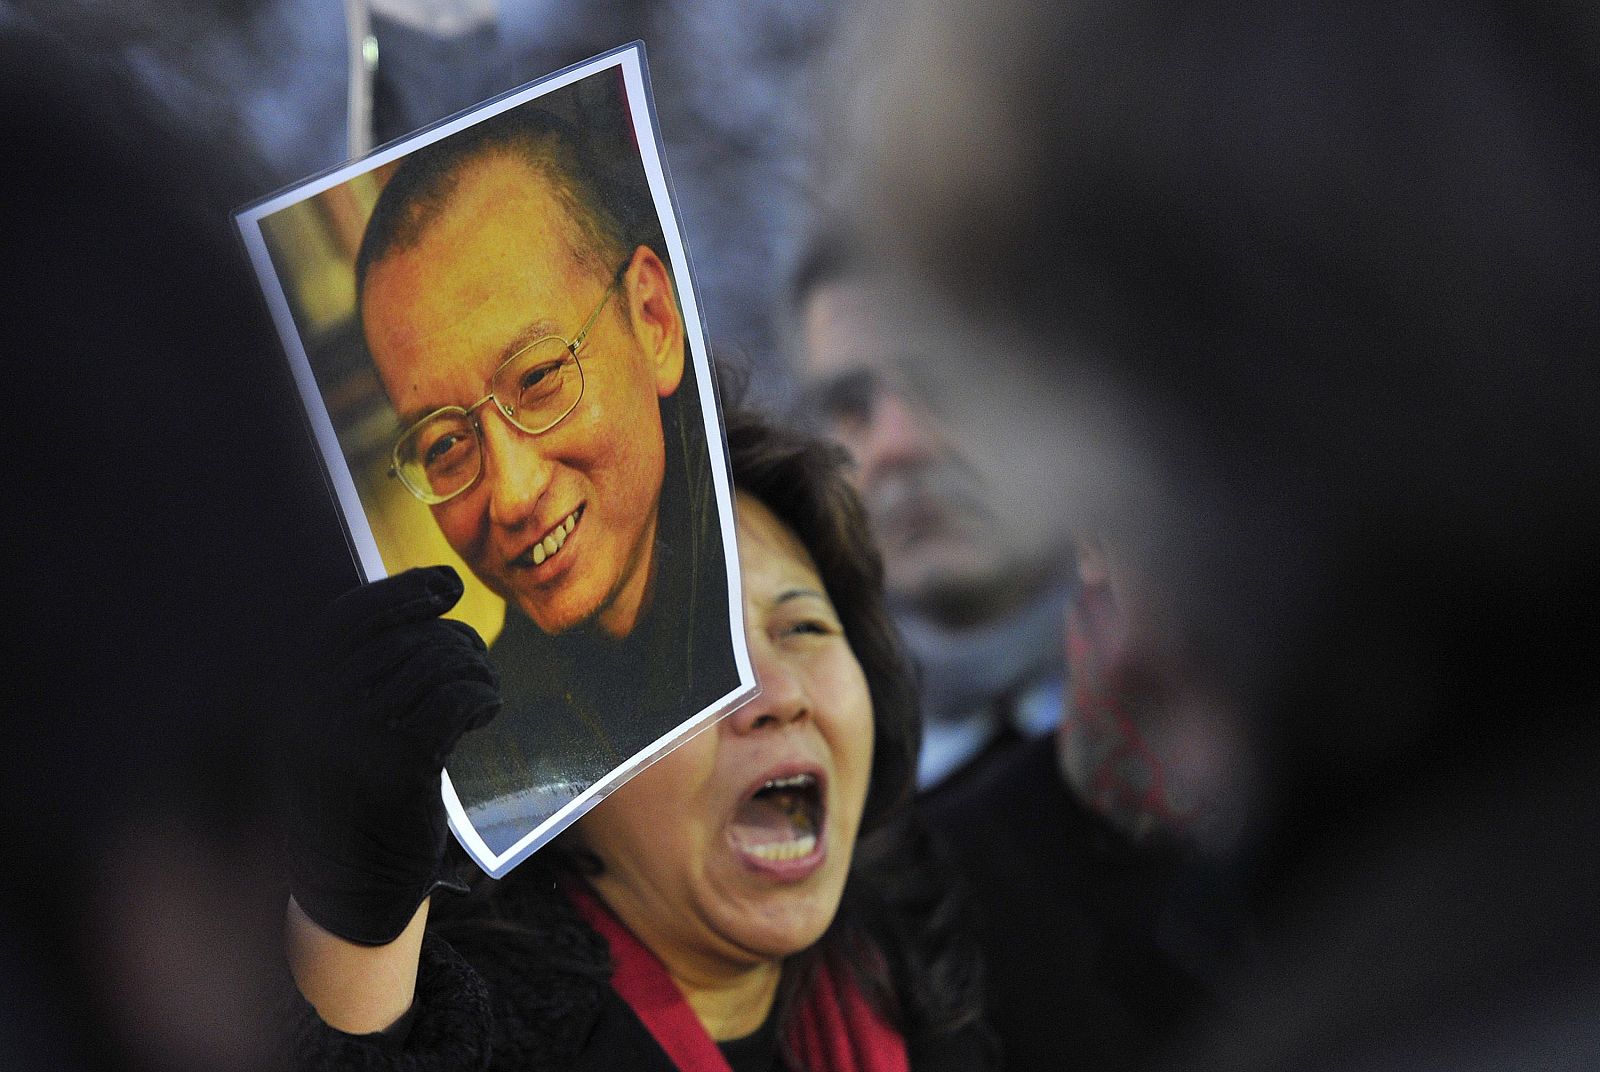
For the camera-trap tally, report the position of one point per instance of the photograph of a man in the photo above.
(491, 251)
(515, 295)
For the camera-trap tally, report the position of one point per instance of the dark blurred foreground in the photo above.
(173, 531)
(1299, 306)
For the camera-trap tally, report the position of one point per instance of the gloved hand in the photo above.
(391, 688)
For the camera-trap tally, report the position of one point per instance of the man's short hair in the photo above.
(835, 252)
(610, 206)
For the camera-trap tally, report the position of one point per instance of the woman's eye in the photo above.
(811, 627)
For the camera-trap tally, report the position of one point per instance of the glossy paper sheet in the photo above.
(494, 330)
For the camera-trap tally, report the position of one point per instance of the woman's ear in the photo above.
(657, 322)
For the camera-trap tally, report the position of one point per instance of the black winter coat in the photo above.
(515, 980)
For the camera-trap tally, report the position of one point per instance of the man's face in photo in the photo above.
(495, 269)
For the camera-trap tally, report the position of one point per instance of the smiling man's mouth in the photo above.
(550, 543)
(782, 820)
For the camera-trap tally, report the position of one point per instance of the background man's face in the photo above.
(494, 271)
(947, 550)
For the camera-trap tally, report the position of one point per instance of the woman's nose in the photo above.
(783, 699)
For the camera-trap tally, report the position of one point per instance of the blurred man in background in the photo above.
(981, 611)
(1097, 924)
(1314, 293)
(1098, 856)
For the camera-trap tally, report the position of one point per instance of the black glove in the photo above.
(391, 688)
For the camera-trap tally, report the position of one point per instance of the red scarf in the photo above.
(837, 1029)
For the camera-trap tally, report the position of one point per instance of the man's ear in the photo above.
(657, 323)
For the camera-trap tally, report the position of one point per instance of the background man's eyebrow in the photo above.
(799, 593)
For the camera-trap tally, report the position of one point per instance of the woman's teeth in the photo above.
(781, 821)
(554, 539)
(792, 849)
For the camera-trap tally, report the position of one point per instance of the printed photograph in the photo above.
(495, 334)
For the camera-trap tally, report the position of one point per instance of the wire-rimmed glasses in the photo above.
(441, 455)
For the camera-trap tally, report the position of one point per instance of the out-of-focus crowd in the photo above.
(1219, 388)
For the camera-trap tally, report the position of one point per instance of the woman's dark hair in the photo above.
(802, 480)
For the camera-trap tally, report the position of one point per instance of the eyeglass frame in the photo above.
(396, 468)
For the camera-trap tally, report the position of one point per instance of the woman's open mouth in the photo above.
(778, 828)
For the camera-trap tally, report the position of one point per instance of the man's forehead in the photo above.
(493, 310)
(845, 328)
(493, 269)
(505, 198)
(424, 331)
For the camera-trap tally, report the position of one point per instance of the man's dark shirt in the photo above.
(1089, 939)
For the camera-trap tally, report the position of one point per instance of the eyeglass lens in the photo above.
(534, 391)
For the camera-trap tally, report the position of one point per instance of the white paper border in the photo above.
(641, 107)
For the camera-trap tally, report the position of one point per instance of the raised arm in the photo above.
(391, 687)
